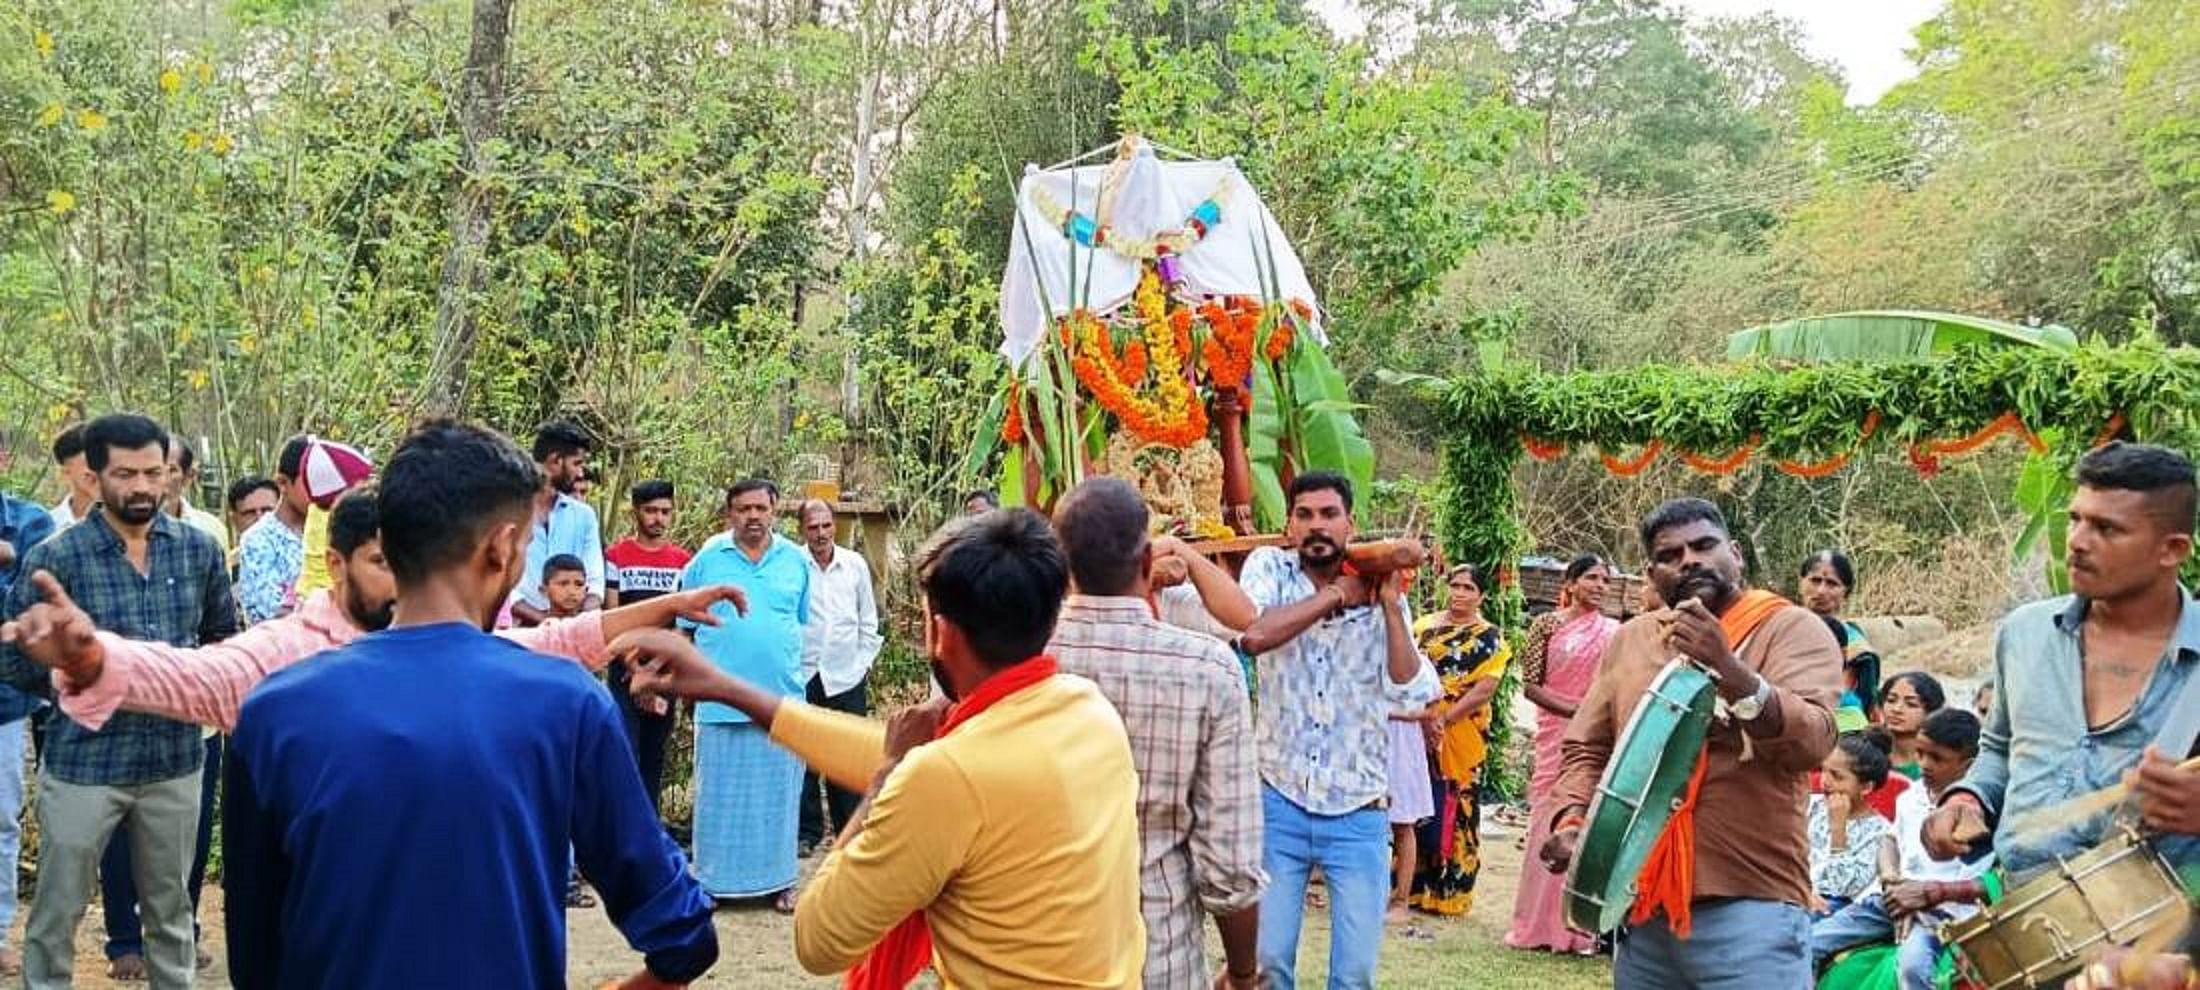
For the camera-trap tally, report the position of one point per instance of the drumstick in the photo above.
(2080, 807)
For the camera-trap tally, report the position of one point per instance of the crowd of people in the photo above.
(1127, 742)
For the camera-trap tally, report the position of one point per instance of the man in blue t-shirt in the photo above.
(745, 786)
(400, 809)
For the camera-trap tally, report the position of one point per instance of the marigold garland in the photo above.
(1089, 232)
(1174, 416)
(1012, 425)
(2109, 432)
(2007, 422)
(1542, 451)
(1641, 463)
(1228, 350)
(1726, 465)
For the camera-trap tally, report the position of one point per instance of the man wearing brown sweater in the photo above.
(1738, 919)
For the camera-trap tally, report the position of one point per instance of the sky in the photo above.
(1865, 37)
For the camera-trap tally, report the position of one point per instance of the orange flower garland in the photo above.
(1838, 461)
(1724, 466)
(2005, 423)
(1542, 451)
(1641, 463)
(2115, 426)
(1174, 416)
(1012, 425)
(1229, 346)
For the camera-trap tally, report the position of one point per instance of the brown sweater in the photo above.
(1750, 838)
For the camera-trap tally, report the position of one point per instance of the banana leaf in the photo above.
(2043, 492)
(1880, 335)
(988, 439)
(1012, 478)
(1329, 438)
(1264, 434)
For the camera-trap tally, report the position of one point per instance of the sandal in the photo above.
(784, 903)
(579, 897)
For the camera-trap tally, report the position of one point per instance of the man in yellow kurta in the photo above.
(1000, 829)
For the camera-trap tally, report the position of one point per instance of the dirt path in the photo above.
(756, 946)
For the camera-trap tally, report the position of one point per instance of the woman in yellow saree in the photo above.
(1470, 656)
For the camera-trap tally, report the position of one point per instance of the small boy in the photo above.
(1928, 892)
(565, 585)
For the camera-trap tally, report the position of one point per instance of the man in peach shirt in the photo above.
(96, 674)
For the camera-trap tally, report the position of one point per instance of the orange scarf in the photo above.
(1668, 879)
(907, 949)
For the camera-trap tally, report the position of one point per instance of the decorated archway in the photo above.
(1806, 420)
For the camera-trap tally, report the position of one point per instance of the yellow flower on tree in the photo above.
(91, 120)
(60, 201)
(44, 41)
(171, 81)
(223, 145)
(203, 70)
(51, 115)
(199, 379)
(193, 140)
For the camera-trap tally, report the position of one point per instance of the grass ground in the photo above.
(756, 948)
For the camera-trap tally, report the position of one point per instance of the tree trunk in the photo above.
(481, 123)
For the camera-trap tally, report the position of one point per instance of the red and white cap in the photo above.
(330, 469)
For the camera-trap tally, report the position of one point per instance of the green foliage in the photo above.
(928, 331)
(241, 230)
(1814, 411)
(1384, 181)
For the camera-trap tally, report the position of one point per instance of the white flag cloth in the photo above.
(1151, 197)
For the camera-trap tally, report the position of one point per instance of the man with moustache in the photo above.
(567, 526)
(746, 789)
(1335, 655)
(2098, 687)
(98, 673)
(146, 575)
(1739, 919)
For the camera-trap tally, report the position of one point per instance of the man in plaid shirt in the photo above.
(1183, 702)
(142, 574)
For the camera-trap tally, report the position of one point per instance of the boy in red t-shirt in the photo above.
(643, 566)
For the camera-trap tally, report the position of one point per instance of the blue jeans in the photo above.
(1734, 944)
(1866, 922)
(1353, 851)
(11, 814)
(118, 886)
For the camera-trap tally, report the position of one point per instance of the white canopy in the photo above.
(1137, 200)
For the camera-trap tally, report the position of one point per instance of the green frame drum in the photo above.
(1644, 781)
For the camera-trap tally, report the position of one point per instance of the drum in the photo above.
(1643, 782)
(2044, 931)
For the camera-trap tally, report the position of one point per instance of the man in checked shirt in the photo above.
(1182, 699)
(146, 575)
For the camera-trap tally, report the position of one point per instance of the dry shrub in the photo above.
(1968, 580)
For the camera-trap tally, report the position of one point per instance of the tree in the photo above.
(481, 123)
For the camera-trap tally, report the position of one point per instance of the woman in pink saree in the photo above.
(1564, 650)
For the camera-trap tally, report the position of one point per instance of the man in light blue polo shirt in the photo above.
(746, 788)
(568, 526)
(2093, 684)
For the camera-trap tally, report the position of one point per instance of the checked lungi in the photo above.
(745, 805)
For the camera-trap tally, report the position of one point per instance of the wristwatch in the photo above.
(1747, 709)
